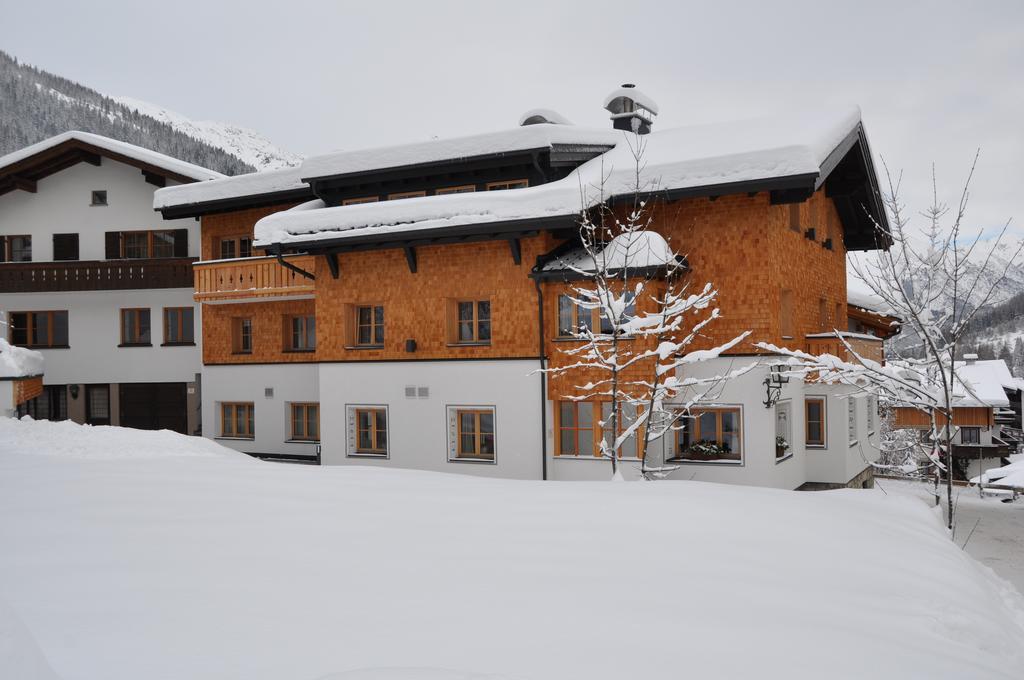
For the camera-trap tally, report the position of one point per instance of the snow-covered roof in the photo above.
(637, 250)
(538, 116)
(456, 149)
(866, 301)
(615, 101)
(137, 153)
(675, 159)
(19, 362)
(224, 188)
(986, 380)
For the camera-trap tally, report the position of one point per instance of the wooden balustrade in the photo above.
(253, 277)
(77, 275)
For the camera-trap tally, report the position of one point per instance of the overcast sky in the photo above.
(934, 80)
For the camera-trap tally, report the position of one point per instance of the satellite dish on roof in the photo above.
(542, 117)
(631, 109)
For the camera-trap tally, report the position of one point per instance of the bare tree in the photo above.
(935, 280)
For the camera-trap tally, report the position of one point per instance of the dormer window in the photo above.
(99, 198)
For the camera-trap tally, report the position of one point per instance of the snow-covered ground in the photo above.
(991, 531)
(150, 555)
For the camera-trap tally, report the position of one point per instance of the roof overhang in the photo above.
(235, 203)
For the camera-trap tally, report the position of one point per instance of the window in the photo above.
(99, 198)
(710, 435)
(510, 184)
(371, 431)
(300, 333)
(179, 328)
(786, 313)
(970, 435)
(149, 244)
(473, 321)
(783, 430)
(305, 422)
(15, 248)
(242, 336)
(65, 247)
(406, 194)
(370, 325)
(39, 329)
(135, 327)
(814, 425)
(463, 189)
(474, 435)
(51, 404)
(357, 201)
(97, 404)
(237, 420)
(580, 429)
(235, 246)
(851, 420)
(574, 320)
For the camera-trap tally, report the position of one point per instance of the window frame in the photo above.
(474, 322)
(238, 335)
(851, 421)
(872, 414)
(137, 327)
(372, 343)
(399, 195)
(824, 422)
(236, 245)
(304, 408)
(7, 248)
(180, 327)
(150, 244)
(101, 194)
(375, 451)
(31, 326)
(504, 185)
(456, 189)
(305, 321)
(595, 321)
(455, 454)
(360, 200)
(976, 430)
(250, 420)
(597, 431)
(692, 424)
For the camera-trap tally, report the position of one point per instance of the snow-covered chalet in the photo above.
(392, 306)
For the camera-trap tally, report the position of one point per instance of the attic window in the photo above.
(99, 198)
(513, 184)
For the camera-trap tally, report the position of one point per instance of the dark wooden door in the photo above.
(154, 406)
(97, 404)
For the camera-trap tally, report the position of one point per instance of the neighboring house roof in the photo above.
(252, 190)
(22, 169)
(793, 153)
(865, 301)
(984, 383)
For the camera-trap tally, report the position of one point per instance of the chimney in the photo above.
(631, 109)
(970, 358)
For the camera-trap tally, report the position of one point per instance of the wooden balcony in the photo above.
(828, 343)
(43, 277)
(251, 278)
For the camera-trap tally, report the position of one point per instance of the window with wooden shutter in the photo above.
(65, 247)
(112, 243)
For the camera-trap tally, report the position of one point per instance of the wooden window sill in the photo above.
(136, 344)
(298, 351)
(368, 454)
(468, 459)
(177, 344)
(236, 439)
(364, 346)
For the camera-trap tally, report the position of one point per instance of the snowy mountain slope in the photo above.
(246, 144)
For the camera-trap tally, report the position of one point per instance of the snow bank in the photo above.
(65, 438)
(1007, 475)
(125, 149)
(205, 568)
(686, 157)
(19, 362)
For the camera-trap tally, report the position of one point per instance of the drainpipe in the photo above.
(543, 382)
(288, 265)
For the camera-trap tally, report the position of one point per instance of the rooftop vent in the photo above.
(970, 358)
(631, 109)
(543, 116)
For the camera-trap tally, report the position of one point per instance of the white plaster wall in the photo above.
(94, 333)
(290, 382)
(6, 398)
(61, 205)
(417, 428)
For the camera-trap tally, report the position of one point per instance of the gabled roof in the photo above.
(790, 156)
(985, 382)
(23, 168)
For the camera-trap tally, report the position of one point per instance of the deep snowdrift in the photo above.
(161, 565)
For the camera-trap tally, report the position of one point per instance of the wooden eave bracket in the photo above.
(154, 179)
(332, 264)
(516, 249)
(410, 258)
(24, 184)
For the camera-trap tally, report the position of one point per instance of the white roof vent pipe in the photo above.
(631, 109)
(543, 116)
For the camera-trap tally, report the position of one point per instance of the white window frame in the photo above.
(851, 420)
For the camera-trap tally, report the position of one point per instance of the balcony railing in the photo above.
(252, 277)
(40, 277)
(828, 343)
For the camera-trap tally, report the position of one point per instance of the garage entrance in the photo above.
(154, 406)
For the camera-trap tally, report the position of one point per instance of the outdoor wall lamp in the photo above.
(74, 391)
(773, 383)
